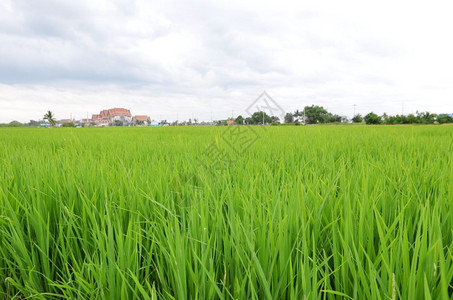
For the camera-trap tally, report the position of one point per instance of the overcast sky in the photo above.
(190, 58)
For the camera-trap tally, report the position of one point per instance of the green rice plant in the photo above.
(316, 212)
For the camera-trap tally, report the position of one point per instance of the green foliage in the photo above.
(240, 120)
(50, 118)
(444, 118)
(411, 119)
(15, 124)
(426, 117)
(69, 124)
(131, 213)
(289, 118)
(34, 123)
(257, 118)
(357, 119)
(118, 123)
(315, 115)
(393, 120)
(275, 120)
(419, 118)
(372, 118)
(12, 124)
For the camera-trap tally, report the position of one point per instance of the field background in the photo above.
(316, 212)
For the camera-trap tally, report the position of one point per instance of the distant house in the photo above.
(231, 122)
(203, 123)
(141, 119)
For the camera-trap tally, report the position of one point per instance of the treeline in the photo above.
(12, 124)
(257, 118)
(313, 115)
(33, 123)
(418, 118)
(319, 115)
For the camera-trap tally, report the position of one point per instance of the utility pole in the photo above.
(354, 111)
(402, 110)
(263, 118)
(211, 117)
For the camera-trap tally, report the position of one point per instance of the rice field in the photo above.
(316, 212)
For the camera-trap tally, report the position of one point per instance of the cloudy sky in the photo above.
(186, 59)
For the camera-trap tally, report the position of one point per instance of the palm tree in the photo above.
(50, 117)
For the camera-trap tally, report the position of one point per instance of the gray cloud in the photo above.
(201, 56)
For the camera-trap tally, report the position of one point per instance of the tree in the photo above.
(444, 118)
(69, 124)
(260, 116)
(33, 123)
(118, 123)
(372, 118)
(426, 117)
(332, 118)
(240, 120)
(298, 116)
(317, 114)
(412, 119)
(50, 118)
(357, 119)
(15, 124)
(275, 120)
(392, 120)
(289, 118)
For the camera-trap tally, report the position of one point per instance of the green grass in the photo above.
(322, 212)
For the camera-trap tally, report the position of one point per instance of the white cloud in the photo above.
(191, 58)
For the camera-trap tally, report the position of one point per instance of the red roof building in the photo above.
(136, 119)
(107, 116)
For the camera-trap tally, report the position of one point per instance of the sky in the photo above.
(201, 59)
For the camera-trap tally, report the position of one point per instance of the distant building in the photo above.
(111, 115)
(203, 123)
(141, 119)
